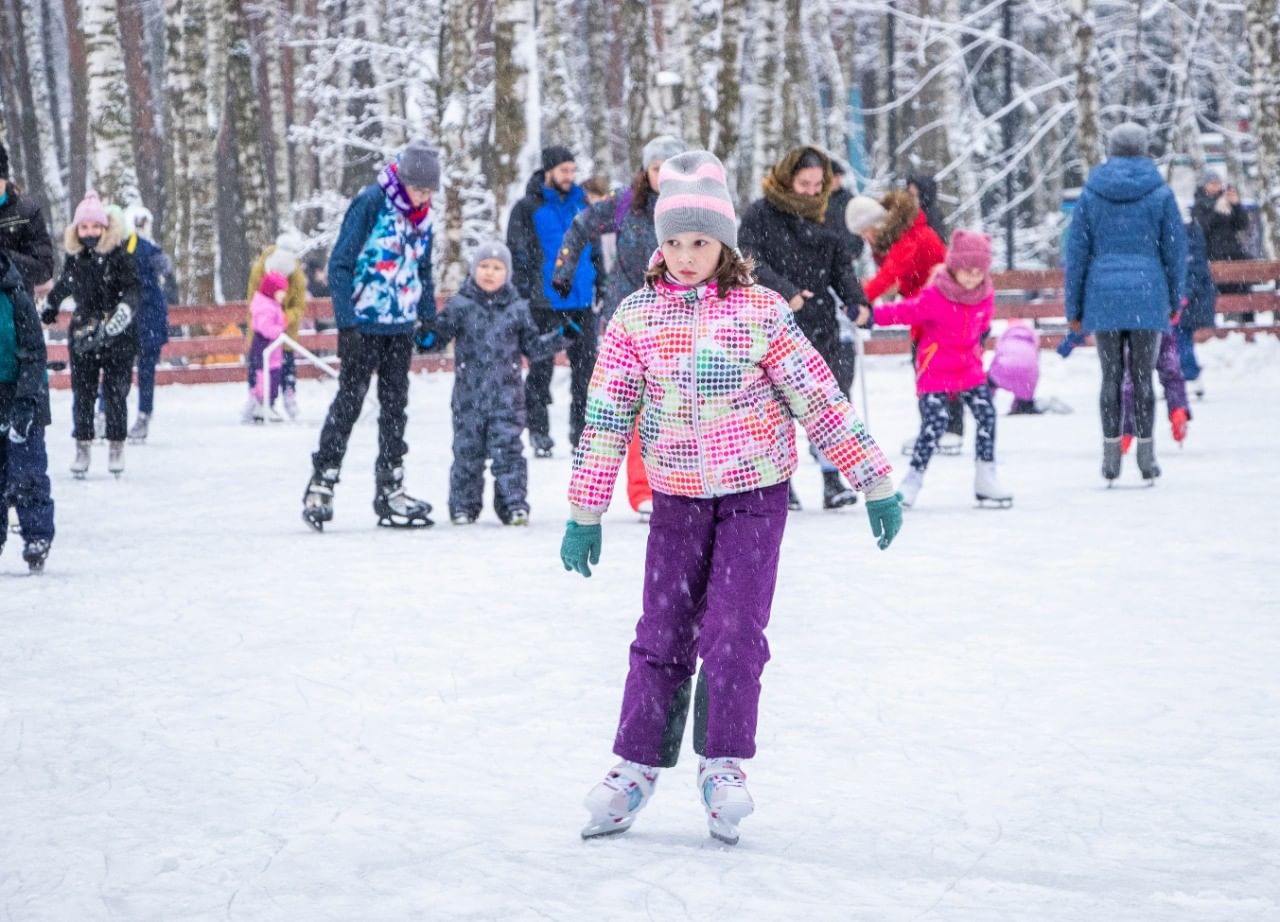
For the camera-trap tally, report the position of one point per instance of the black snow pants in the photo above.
(362, 356)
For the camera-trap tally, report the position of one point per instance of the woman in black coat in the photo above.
(99, 283)
(804, 261)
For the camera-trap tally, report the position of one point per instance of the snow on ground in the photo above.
(1066, 711)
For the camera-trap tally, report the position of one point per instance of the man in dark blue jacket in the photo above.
(535, 232)
(24, 412)
(381, 286)
(23, 234)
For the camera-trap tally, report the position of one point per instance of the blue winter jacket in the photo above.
(352, 268)
(535, 232)
(1202, 294)
(1126, 259)
(153, 311)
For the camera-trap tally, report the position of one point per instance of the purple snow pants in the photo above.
(1169, 370)
(710, 573)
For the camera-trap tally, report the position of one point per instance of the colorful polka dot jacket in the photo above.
(716, 383)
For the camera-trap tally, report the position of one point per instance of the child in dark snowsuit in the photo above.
(493, 328)
(24, 412)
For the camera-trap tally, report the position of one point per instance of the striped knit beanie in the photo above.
(693, 196)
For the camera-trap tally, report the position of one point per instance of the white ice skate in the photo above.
(987, 487)
(910, 487)
(615, 801)
(80, 466)
(950, 445)
(645, 509)
(252, 410)
(291, 404)
(138, 434)
(723, 785)
(115, 458)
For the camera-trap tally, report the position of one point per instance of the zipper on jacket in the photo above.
(697, 429)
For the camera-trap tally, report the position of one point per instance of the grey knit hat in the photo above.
(492, 249)
(862, 212)
(663, 147)
(419, 165)
(693, 196)
(1128, 139)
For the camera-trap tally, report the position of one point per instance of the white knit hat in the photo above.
(863, 212)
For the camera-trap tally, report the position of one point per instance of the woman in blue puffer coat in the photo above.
(1126, 266)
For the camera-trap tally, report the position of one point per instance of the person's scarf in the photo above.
(777, 188)
(956, 293)
(389, 180)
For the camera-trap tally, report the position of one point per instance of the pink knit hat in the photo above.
(91, 209)
(969, 250)
(273, 282)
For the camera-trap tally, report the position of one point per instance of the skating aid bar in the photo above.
(278, 343)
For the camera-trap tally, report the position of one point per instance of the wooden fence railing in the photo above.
(203, 348)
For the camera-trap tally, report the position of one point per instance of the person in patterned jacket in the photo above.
(716, 369)
(380, 282)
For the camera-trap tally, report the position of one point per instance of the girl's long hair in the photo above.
(640, 191)
(733, 271)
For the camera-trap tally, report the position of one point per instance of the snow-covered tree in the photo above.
(110, 121)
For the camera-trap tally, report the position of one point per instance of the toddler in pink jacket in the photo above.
(266, 311)
(951, 315)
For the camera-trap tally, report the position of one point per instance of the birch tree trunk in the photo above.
(1085, 55)
(637, 27)
(563, 121)
(110, 122)
(835, 130)
(55, 190)
(513, 44)
(767, 58)
(599, 64)
(722, 135)
(1264, 96)
(25, 119)
(799, 92)
(148, 158)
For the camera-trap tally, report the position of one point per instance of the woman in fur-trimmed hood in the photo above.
(99, 284)
(803, 260)
(905, 248)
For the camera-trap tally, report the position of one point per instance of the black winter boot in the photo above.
(835, 495)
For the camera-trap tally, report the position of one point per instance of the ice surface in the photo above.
(1066, 711)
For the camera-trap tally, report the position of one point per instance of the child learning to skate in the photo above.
(492, 329)
(951, 315)
(266, 311)
(716, 369)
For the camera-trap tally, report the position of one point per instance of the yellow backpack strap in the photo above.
(133, 243)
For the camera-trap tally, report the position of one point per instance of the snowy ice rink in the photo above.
(1066, 711)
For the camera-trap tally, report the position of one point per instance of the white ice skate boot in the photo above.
(987, 487)
(291, 404)
(115, 458)
(80, 466)
(138, 434)
(723, 784)
(252, 412)
(910, 487)
(645, 509)
(615, 801)
(950, 444)
(100, 425)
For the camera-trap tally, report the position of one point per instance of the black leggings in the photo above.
(1142, 347)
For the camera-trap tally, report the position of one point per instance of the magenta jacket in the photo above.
(949, 348)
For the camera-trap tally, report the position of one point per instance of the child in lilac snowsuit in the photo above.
(716, 369)
(267, 313)
(1015, 366)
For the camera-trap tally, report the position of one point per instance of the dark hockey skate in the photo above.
(793, 501)
(394, 507)
(542, 444)
(835, 494)
(1112, 455)
(317, 501)
(35, 553)
(1146, 458)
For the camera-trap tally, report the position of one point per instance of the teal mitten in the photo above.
(582, 544)
(886, 518)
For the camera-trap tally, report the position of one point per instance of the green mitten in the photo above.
(886, 518)
(581, 546)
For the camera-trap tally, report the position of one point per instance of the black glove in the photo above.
(88, 338)
(562, 285)
(570, 330)
(22, 417)
(50, 314)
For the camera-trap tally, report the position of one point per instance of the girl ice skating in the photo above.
(716, 368)
(266, 312)
(950, 317)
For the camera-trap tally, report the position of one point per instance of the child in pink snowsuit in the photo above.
(1015, 366)
(267, 313)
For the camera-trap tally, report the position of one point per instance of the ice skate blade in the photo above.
(605, 828)
(398, 521)
(315, 521)
(133, 441)
(79, 475)
(722, 830)
(988, 502)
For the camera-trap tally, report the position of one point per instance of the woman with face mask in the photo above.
(99, 285)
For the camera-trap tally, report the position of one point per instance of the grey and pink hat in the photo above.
(693, 197)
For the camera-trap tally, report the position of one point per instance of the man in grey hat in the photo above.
(380, 282)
